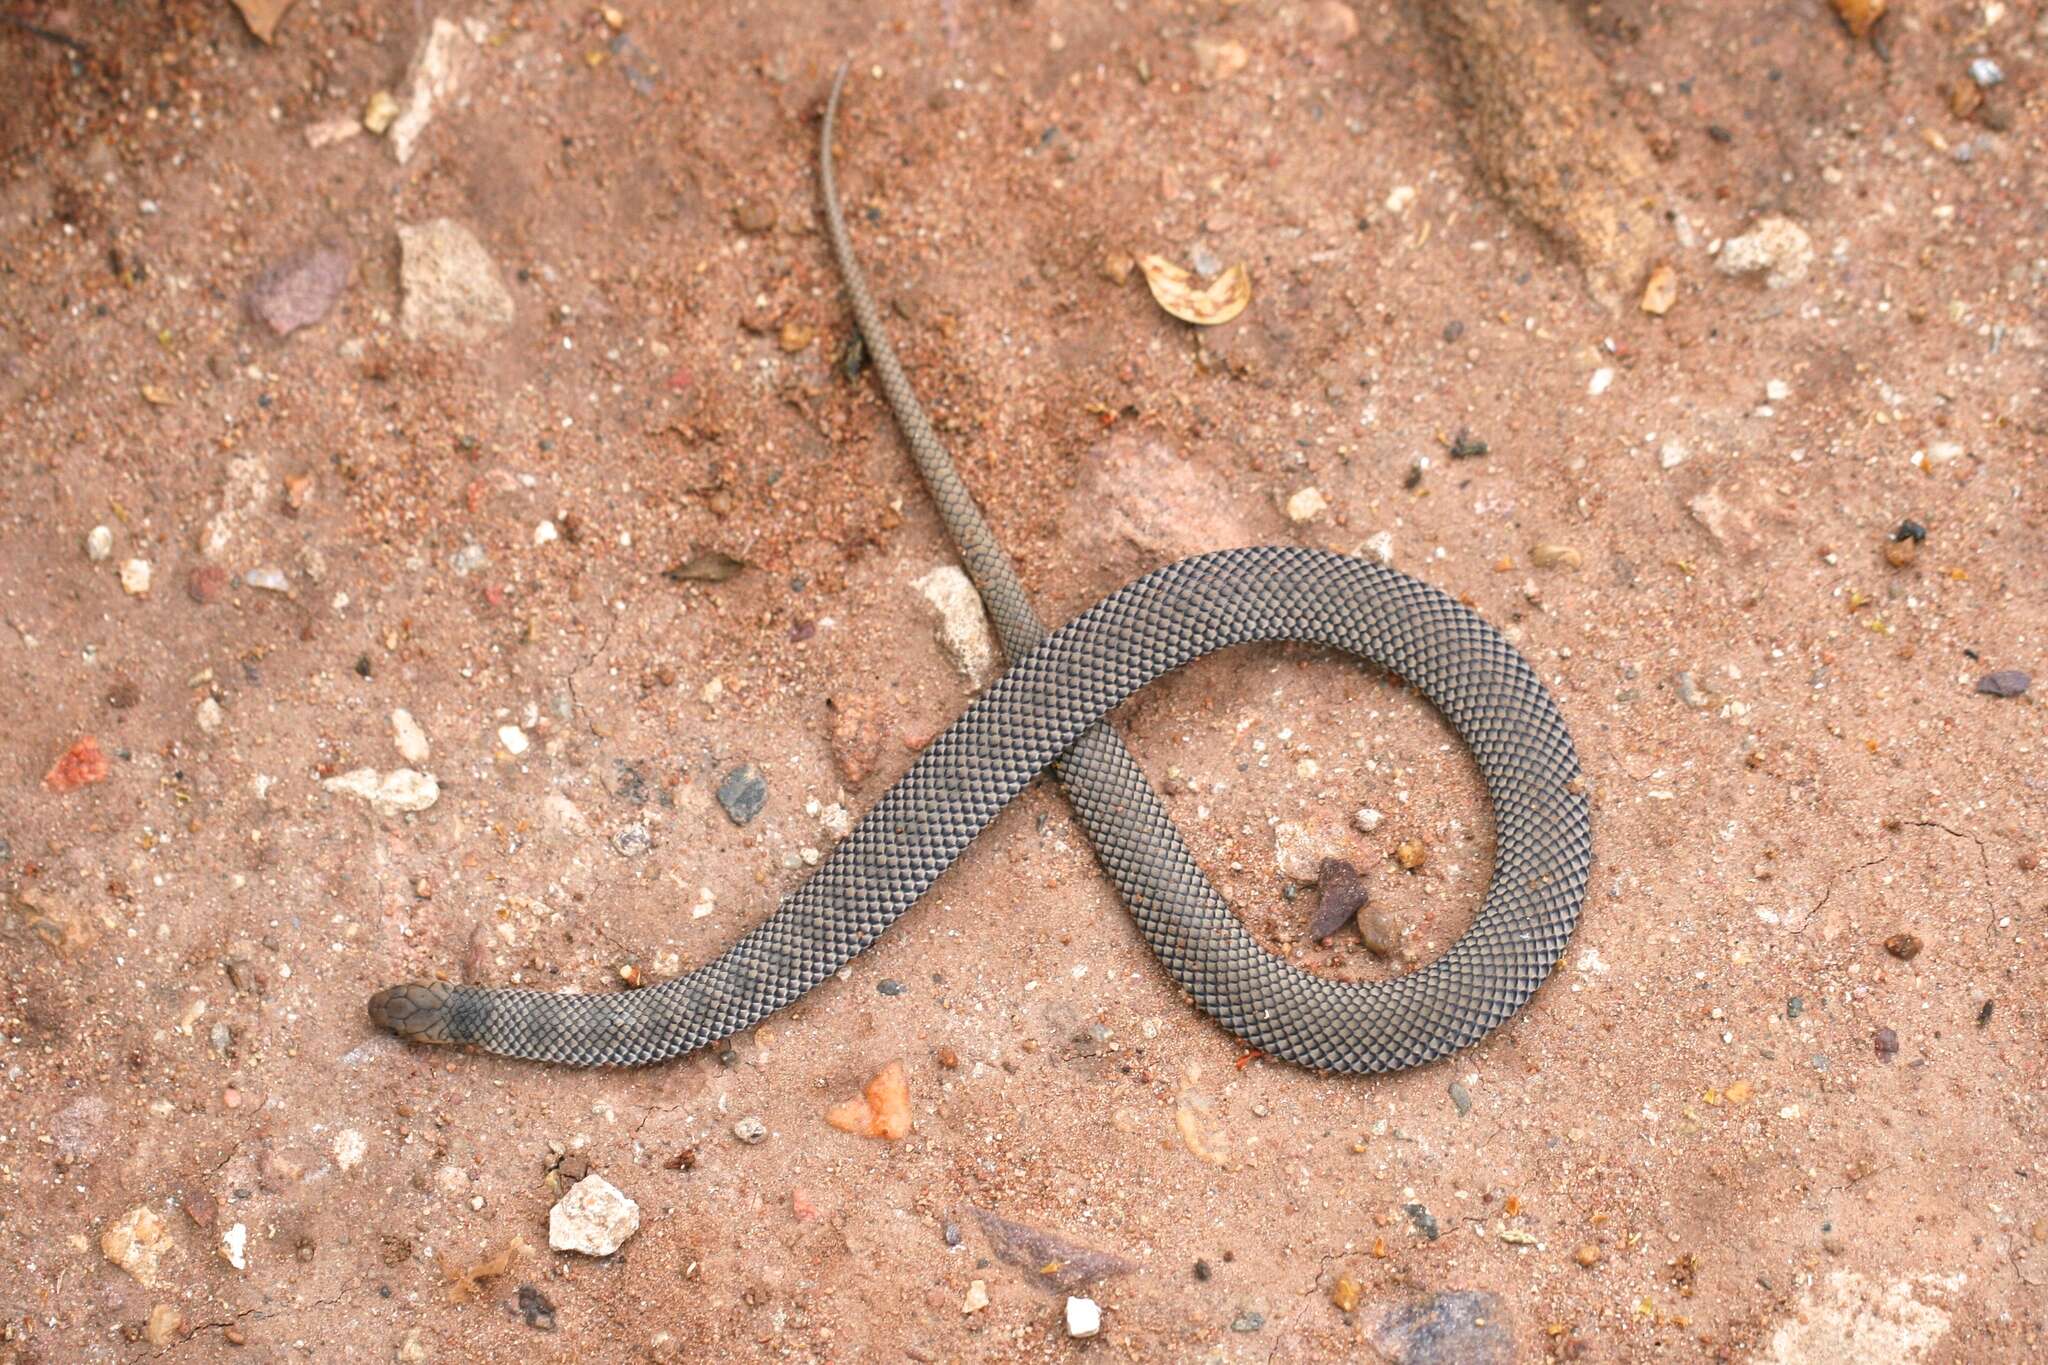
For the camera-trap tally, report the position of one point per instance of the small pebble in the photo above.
(1887, 1043)
(1900, 554)
(632, 841)
(742, 794)
(889, 985)
(1986, 73)
(514, 739)
(1367, 819)
(1346, 1293)
(1461, 1097)
(1910, 530)
(1307, 504)
(1904, 947)
(1084, 1317)
(135, 576)
(1248, 1321)
(1411, 854)
(1380, 932)
(1422, 1219)
(99, 543)
(1672, 454)
(2006, 682)
(977, 1298)
(1587, 1255)
(754, 216)
(270, 580)
(750, 1130)
(951, 1232)
(1689, 691)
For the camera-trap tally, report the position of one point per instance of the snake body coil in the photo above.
(1049, 710)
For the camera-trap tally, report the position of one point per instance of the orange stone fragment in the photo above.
(81, 765)
(882, 1111)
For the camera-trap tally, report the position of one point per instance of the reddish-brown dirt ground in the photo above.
(1772, 1138)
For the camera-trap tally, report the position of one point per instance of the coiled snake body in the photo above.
(1048, 711)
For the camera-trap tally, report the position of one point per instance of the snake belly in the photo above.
(1028, 719)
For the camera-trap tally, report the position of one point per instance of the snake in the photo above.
(1049, 712)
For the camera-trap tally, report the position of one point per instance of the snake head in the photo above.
(416, 1012)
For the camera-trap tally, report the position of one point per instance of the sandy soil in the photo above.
(1790, 761)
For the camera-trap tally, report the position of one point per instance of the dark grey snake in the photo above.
(1049, 710)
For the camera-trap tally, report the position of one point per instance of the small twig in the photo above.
(48, 35)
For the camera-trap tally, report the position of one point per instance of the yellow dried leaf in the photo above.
(463, 1281)
(1205, 305)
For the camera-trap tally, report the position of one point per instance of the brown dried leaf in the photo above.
(705, 566)
(882, 1111)
(465, 1281)
(262, 15)
(1205, 305)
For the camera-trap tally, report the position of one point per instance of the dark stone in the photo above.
(1051, 1260)
(535, 1308)
(1248, 1321)
(889, 985)
(1342, 897)
(1457, 1327)
(743, 793)
(1423, 1219)
(2006, 682)
(299, 290)
(1887, 1044)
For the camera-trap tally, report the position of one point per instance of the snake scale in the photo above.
(1048, 712)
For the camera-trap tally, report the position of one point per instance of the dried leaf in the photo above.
(262, 15)
(465, 1281)
(156, 396)
(705, 566)
(1205, 305)
(882, 1110)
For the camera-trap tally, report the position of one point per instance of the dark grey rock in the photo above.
(1457, 1327)
(743, 793)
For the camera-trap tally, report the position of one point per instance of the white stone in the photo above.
(1776, 391)
(210, 716)
(977, 1298)
(234, 1246)
(1084, 1317)
(963, 627)
(393, 793)
(410, 738)
(1307, 504)
(1777, 248)
(1368, 819)
(450, 283)
(268, 579)
(99, 543)
(593, 1218)
(1848, 1318)
(1380, 545)
(1598, 384)
(1672, 454)
(544, 533)
(1298, 850)
(434, 75)
(135, 576)
(349, 1149)
(1399, 198)
(514, 739)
